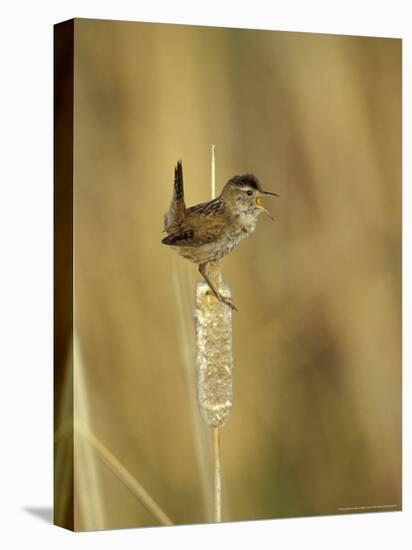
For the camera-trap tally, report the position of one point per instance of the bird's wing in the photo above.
(196, 231)
(175, 215)
(180, 238)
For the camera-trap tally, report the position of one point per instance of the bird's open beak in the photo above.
(261, 207)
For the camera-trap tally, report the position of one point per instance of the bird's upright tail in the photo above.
(174, 216)
(179, 194)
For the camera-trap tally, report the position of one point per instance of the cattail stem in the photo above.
(214, 361)
(216, 430)
(218, 475)
(213, 171)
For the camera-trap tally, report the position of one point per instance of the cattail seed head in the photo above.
(214, 361)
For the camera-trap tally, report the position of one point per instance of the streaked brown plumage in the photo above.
(208, 231)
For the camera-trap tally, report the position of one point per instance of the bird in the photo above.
(208, 231)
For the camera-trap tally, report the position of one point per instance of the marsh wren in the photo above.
(208, 231)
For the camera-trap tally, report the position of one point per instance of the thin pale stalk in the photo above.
(201, 440)
(213, 171)
(216, 432)
(218, 475)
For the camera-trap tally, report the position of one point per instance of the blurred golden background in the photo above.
(316, 420)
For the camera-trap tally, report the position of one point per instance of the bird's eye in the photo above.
(250, 193)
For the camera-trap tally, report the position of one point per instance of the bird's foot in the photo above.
(228, 302)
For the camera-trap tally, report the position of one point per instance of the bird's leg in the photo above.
(202, 270)
(227, 301)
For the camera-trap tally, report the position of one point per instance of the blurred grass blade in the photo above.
(121, 473)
